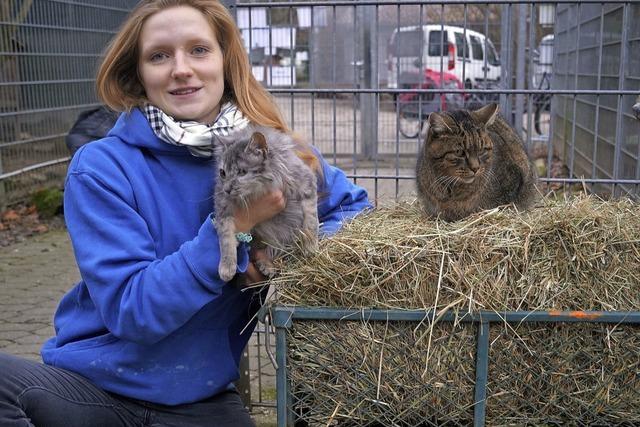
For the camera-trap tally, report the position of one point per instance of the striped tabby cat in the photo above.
(471, 161)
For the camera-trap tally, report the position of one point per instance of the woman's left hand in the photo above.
(253, 275)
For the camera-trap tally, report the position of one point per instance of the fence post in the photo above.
(482, 374)
(7, 65)
(505, 61)
(244, 382)
(520, 71)
(368, 101)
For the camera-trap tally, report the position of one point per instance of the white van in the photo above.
(467, 54)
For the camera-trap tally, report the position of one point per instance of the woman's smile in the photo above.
(184, 91)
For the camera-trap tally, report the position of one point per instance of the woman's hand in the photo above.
(253, 275)
(259, 210)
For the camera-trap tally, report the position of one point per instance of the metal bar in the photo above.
(45, 82)
(520, 63)
(312, 77)
(34, 167)
(532, 19)
(575, 86)
(482, 374)
(559, 180)
(243, 384)
(333, 79)
(92, 6)
(54, 54)
(283, 316)
(623, 64)
(460, 91)
(357, 70)
(505, 56)
(48, 110)
(417, 2)
(54, 27)
(31, 140)
(282, 387)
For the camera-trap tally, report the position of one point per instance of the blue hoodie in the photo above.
(150, 318)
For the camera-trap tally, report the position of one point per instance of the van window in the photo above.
(435, 43)
(476, 45)
(492, 56)
(462, 46)
(406, 43)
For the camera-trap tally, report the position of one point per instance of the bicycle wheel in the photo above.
(541, 107)
(409, 122)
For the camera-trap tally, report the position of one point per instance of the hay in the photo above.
(577, 254)
(580, 254)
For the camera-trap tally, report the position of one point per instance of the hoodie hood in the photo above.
(133, 128)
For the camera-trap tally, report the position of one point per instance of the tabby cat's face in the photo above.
(459, 148)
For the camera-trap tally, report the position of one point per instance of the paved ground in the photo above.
(35, 273)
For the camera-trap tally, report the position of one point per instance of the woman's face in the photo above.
(180, 64)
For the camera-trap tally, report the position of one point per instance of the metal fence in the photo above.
(48, 55)
(358, 82)
(487, 368)
(358, 79)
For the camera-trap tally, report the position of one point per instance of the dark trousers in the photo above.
(35, 394)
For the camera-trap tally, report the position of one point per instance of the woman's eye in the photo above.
(222, 173)
(199, 50)
(157, 57)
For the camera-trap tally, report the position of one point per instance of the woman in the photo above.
(151, 335)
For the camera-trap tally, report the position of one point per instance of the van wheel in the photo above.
(409, 122)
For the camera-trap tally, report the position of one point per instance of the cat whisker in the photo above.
(244, 202)
(442, 182)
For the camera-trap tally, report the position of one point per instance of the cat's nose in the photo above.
(474, 164)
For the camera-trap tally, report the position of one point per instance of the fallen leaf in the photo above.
(10, 215)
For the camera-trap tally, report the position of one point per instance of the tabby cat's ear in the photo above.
(438, 124)
(258, 142)
(486, 115)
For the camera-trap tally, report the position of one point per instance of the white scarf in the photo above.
(197, 136)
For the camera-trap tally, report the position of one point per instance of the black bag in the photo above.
(90, 126)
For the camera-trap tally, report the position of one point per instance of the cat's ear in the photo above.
(438, 124)
(486, 115)
(258, 142)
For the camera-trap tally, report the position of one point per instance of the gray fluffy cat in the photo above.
(252, 162)
(471, 161)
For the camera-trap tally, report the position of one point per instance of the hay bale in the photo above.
(577, 254)
(366, 372)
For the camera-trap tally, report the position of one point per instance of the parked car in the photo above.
(414, 107)
(468, 54)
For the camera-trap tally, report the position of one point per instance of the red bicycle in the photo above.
(414, 108)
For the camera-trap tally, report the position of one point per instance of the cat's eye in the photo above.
(242, 171)
(459, 153)
(222, 173)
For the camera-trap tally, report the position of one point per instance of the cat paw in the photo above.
(226, 270)
(266, 268)
(309, 242)
(309, 246)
